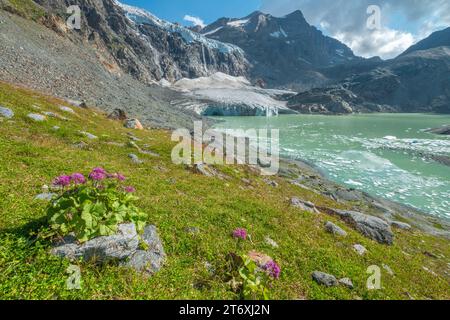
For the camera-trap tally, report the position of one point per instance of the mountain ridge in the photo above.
(284, 51)
(415, 81)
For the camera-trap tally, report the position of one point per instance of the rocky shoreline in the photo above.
(306, 175)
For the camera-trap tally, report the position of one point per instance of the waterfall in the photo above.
(204, 59)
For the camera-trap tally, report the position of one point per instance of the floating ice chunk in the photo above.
(354, 183)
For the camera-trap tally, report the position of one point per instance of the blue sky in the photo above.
(208, 10)
(403, 22)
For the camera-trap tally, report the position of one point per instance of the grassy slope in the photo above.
(33, 153)
(24, 8)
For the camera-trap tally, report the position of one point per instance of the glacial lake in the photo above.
(387, 155)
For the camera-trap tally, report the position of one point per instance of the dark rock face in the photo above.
(143, 45)
(283, 51)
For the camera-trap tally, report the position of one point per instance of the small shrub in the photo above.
(93, 207)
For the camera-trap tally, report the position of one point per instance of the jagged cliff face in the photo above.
(144, 46)
(284, 52)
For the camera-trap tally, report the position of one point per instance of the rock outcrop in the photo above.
(123, 247)
(369, 226)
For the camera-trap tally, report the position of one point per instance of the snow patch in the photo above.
(279, 34)
(237, 23)
(212, 31)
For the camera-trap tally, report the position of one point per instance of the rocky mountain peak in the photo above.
(296, 15)
(283, 50)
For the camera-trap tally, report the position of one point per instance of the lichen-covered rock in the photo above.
(334, 229)
(102, 249)
(152, 259)
(123, 247)
(369, 226)
(325, 279)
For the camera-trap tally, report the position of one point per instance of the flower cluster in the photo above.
(97, 174)
(240, 233)
(72, 211)
(273, 269)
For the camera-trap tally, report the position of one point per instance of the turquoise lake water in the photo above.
(386, 155)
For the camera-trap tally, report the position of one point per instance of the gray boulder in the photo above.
(346, 282)
(304, 205)
(45, 196)
(152, 259)
(334, 229)
(325, 279)
(271, 242)
(360, 249)
(400, 225)
(6, 113)
(88, 135)
(36, 117)
(369, 226)
(102, 249)
(135, 159)
(123, 247)
(66, 109)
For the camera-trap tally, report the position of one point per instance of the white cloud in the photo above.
(385, 43)
(196, 21)
(347, 21)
